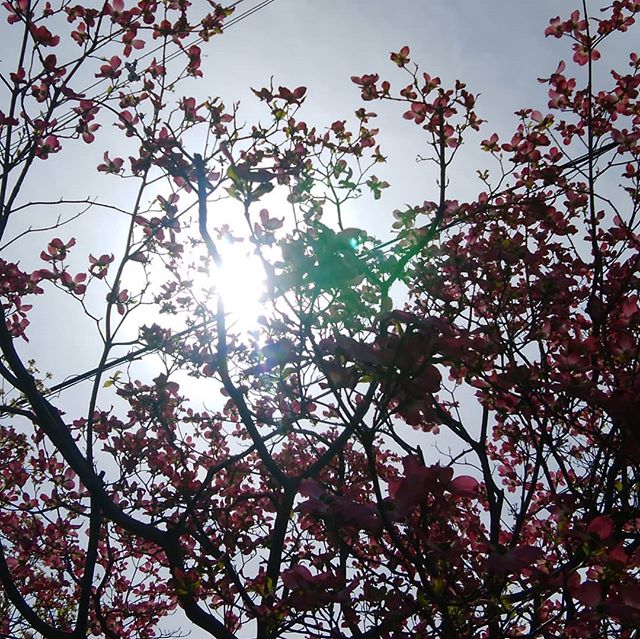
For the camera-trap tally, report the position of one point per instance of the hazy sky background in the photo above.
(496, 46)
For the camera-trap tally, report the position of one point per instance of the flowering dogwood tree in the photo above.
(309, 499)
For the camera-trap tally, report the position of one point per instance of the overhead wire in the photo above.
(111, 364)
(69, 116)
(134, 355)
(233, 21)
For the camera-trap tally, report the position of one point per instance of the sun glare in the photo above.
(241, 283)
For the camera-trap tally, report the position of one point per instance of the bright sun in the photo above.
(241, 283)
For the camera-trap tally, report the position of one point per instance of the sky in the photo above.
(496, 46)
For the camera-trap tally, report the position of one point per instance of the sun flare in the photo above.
(240, 281)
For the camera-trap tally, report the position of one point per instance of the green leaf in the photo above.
(112, 380)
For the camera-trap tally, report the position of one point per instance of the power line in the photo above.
(199, 40)
(124, 359)
(69, 116)
(134, 355)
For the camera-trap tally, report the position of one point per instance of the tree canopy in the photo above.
(433, 433)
